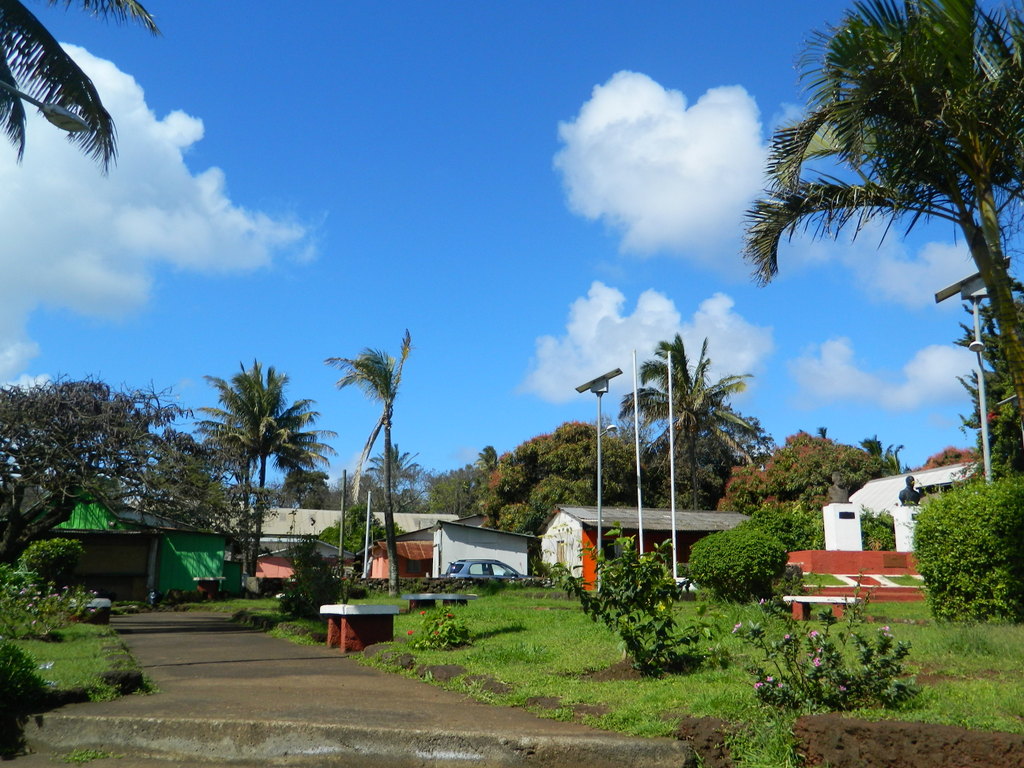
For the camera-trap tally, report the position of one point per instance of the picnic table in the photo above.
(418, 600)
(353, 627)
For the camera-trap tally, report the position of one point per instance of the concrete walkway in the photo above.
(228, 694)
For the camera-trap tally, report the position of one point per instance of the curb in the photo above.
(278, 742)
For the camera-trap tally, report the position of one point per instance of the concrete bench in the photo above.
(420, 600)
(98, 611)
(801, 604)
(353, 627)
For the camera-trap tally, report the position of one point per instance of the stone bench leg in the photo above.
(416, 605)
(354, 633)
(802, 611)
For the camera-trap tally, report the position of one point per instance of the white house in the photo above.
(571, 532)
(461, 541)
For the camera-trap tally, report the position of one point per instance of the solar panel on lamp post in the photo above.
(599, 386)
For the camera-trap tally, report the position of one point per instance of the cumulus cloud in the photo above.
(830, 373)
(79, 240)
(599, 337)
(669, 175)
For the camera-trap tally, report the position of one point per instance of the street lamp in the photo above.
(973, 289)
(599, 386)
(63, 118)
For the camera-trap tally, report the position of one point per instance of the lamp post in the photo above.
(63, 118)
(973, 289)
(599, 386)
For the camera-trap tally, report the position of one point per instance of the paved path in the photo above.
(231, 694)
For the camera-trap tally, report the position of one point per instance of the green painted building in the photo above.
(128, 555)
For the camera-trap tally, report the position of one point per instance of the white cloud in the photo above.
(78, 240)
(830, 373)
(669, 175)
(599, 337)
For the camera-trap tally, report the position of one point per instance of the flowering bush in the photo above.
(809, 670)
(441, 630)
(30, 608)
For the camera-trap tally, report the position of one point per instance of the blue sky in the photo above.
(533, 189)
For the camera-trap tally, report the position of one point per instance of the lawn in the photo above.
(78, 656)
(544, 648)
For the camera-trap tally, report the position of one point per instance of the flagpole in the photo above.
(672, 467)
(636, 436)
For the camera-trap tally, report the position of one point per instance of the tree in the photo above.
(919, 101)
(799, 471)
(64, 442)
(700, 407)
(408, 479)
(553, 469)
(890, 456)
(34, 62)
(254, 425)
(949, 455)
(305, 489)
(379, 376)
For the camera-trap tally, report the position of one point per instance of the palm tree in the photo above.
(922, 103)
(31, 60)
(699, 406)
(890, 457)
(378, 375)
(255, 424)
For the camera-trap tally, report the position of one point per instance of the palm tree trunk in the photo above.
(691, 449)
(389, 515)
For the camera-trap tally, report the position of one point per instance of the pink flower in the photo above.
(736, 627)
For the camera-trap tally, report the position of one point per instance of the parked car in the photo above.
(481, 569)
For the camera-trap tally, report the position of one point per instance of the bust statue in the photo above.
(837, 492)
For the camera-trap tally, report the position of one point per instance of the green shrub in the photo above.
(53, 560)
(738, 565)
(968, 545)
(795, 525)
(442, 629)
(314, 583)
(22, 692)
(636, 601)
(31, 609)
(877, 531)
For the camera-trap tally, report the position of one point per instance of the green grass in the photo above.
(822, 580)
(544, 647)
(81, 653)
(907, 581)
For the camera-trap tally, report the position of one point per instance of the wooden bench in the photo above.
(420, 600)
(353, 627)
(801, 604)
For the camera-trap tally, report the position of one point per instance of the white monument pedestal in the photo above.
(904, 519)
(842, 527)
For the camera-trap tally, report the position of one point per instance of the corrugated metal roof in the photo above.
(657, 519)
(415, 550)
(883, 494)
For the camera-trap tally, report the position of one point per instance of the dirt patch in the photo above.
(544, 702)
(706, 736)
(842, 742)
(582, 711)
(487, 683)
(442, 673)
(620, 670)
